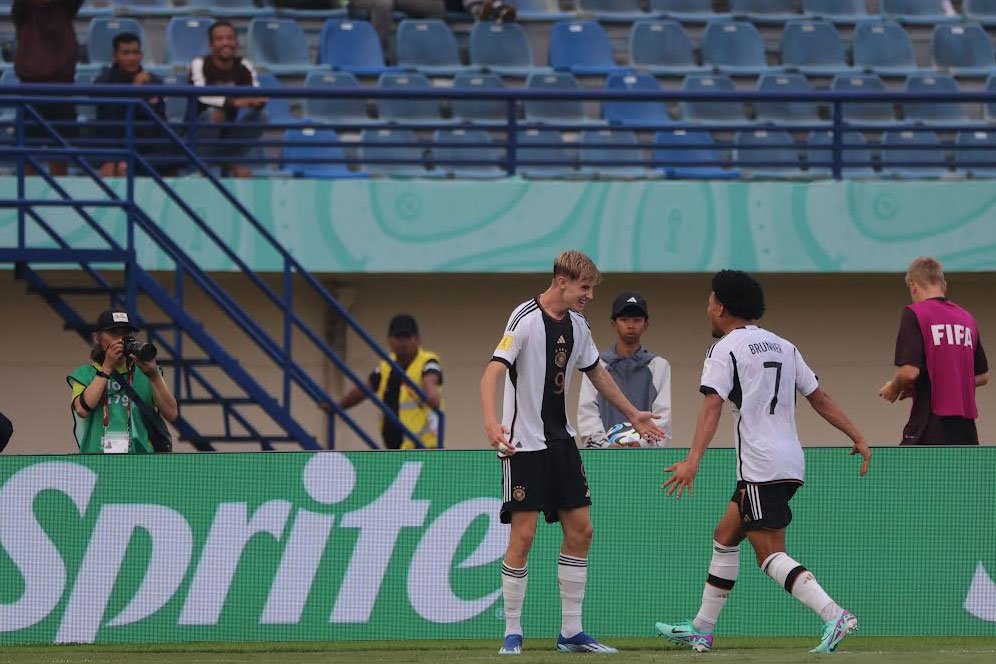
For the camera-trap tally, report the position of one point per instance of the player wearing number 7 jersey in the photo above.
(758, 373)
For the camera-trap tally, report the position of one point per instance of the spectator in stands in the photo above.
(643, 377)
(423, 368)
(47, 52)
(941, 362)
(127, 70)
(381, 12)
(223, 67)
(106, 419)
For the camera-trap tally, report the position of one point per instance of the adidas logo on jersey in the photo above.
(561, 340)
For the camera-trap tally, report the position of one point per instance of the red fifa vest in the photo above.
(949, 339)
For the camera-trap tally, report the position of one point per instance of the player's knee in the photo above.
(522, 541)
(581, 536)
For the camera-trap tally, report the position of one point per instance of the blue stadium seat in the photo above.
(786, 112)
(419, 154)
(612, 10)
(147, 8)
(344, 111)
(686, 11)
(813, 47)
(975, 153)
(923, 157)
(990, 108)
(557, 111)
(300, 147)
(541, 10)
(862, 112)
(836, 11)
(428, 45)
(917, 12)
(479, 110)
(765, 11)
(85, 75)
(883, 47)
(634, 113)
(620, 149)
(176, 107)
(278, 109)
(230, 8)
(581, 47)
(8, 77)
(662, 47)
(964, 49)
(946, 113)
(456, 145)
(734, 47)
(102, 31)
(278, 45)
(688, 155)
(351, 46)
(502, 48)
(419, 111)
(855, 157)
(768, 154)
(87, 11)
(552, 157)
(982, 11)
(186, 39)
(731, 112)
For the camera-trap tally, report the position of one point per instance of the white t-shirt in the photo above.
(541, 354)
(758, 373)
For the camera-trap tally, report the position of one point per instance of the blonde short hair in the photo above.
(576, 265)
(926, 271)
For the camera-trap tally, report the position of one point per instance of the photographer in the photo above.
(107, 420)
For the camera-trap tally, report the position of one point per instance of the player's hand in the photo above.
(861, 447)
(113, 355)
(644, 424)
(142, 78)
(890, 392)
(683, 477)
(498, 438)
(905, 394)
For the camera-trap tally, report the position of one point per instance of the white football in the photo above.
(624, 434)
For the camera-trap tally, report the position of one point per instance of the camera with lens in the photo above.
(144, 351)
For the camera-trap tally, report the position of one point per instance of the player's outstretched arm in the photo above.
(642, 421)
(705, 430)
(901, 385)
(496, 433)
(834, 414)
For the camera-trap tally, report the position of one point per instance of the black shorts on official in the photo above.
(765, 506)
(545, 481)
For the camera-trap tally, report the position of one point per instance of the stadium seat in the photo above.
(688, 155)
(8, 77)
(428, 45)
(686, 11)
(278, 109)
(662, 47)
(478, 110)
(731, 112)
(947, 113)
(85, 75)
(975, 153)
(786, 112)
(502, 48)
(300, 147)
(982, 11)
(186, 39)
(963, 49)
(555, 111)
(230, 8)
(417, 154)
(872, 112)
(345, 111)
(917, 12)
(612, 154)
(351, 46)
(768, 154)
(278, 45)
(552, 158)
(990, 108)
(765, 11)
(734, 47)
(634, 113)
(87, 11)
(541, 10)
(582, 48)
(813, 47)
(883, 47)
(102, 31)
(146, 8)
(611, 11)
(456, 145)
(836, 11)
(855, 157)
(922, 157)
(420, 111)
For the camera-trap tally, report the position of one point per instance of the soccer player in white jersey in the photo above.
(546, 338)
(759, 374)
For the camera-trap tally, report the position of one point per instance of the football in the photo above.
(624, 434)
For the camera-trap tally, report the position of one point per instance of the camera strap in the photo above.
(159, 435)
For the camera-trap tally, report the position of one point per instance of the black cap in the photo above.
(114, 318)
(402, 325)
(629, 303)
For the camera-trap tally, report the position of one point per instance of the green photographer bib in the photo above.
(90, 431)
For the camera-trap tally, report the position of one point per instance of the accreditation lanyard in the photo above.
(131, 376)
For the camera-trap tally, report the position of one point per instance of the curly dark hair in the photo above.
(739, 293)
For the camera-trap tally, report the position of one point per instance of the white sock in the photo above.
(513, 590)
(801, 583)
(572, 573)
(723, 572)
